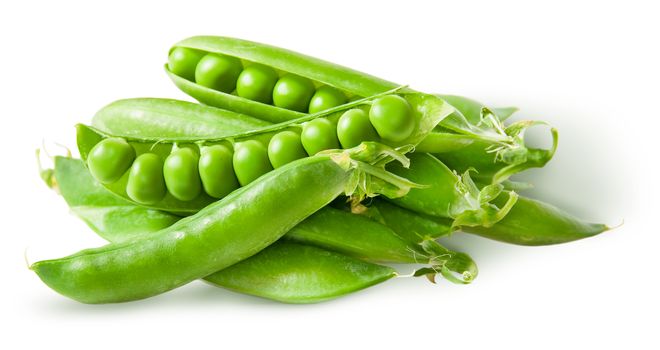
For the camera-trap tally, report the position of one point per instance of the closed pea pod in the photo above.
(183, 61)
(256, 83)
(326, 97)
(145, 182)
(182, 175)
(284, 148)
(218, 72)
(354, 127)
(220, 235)
(250, 161)
(319, 135)
(216, 171)
(293, 92)
(109, 159)
(294, 273)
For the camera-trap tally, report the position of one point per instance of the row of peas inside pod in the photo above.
(217, 169)
(256, 82)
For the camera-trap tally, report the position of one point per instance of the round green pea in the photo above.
(285, 147)
(256, 83)
(109, 159)
(183, 61)
(293, 92)
(218, 72)
(392, 117)
(326, 97)
(354, 127)
(250, 161)
(217, 171)
(181, 174)
(146, 184)
(318, 135)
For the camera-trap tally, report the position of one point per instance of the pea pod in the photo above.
(280, 272)
(118, 220)
(504, 145)
(450, 195)
(300, 274)
(221, 234)
(248, 164)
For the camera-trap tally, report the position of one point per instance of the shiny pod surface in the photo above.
(295, 273)
(218, 236)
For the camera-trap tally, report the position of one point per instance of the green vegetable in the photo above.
(109, 159)
(181, 174)
(183, 61)
(218, 72)
(354, 127)
(319, 135)
(146, 184)
(294, 273)
(255, 160)
(293, 92)
(284, 148)
(449, 195)
(499, 150)
(328, 228)
(326, 97)
(256, 83)
(250, 161)
(391, 116)
(216, 170)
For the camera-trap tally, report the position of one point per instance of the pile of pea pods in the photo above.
(294, 179)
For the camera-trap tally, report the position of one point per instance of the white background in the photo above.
(589, 68)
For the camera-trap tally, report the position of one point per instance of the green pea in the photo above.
(256, 83)
(109, 159)
(181, 174)
(217, 171)
(218, 72)
(183, 61)
(293, 92)
(326, 97)
(285, 147)
(318, 135)
(354, 127)
(250, 161)
(392, 117)
(146, 184)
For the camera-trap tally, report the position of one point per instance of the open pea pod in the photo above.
(167, 132)
(283, 61)
(199, 67)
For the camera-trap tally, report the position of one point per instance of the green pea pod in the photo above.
(450, 195)
(167, 118)
(493, 161)
(118, 220)
(529, 222)
(300, 274)
(322, 73)
(165, 130)
(274, 273)
(532, 222)
(218, 236)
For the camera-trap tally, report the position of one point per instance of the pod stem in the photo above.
(369, 177)
(456, 267)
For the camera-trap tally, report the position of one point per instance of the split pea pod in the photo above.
(200, 166)
(307, 84)
(218, 236)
